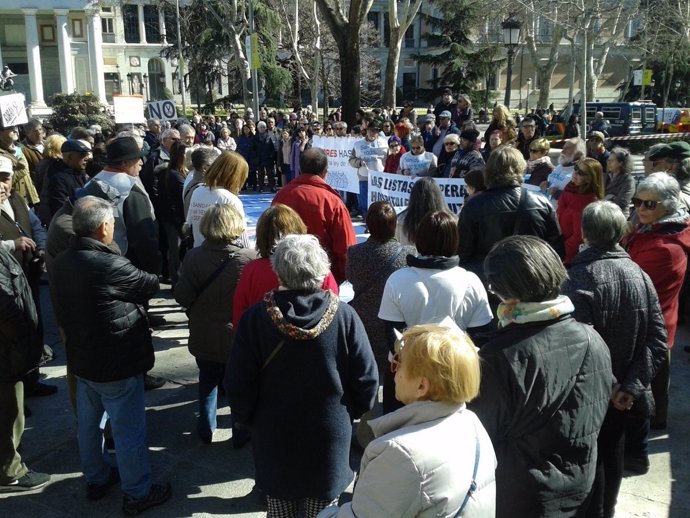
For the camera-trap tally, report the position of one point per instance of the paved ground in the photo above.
(215, 480)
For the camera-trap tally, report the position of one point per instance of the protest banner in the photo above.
(395, 189)
(12, 110)
(128, 109)
(162, 110)
(341, 175)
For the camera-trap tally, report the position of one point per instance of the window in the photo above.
(151, 22)
(409, 37)
(130, 17)
(108, 30)
(77, 28)
(492, 81)
(386, 31)
(545, 30)
(373, 19)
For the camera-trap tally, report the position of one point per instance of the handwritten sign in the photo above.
(12, 110)
(341, 175)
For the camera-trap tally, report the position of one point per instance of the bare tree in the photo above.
(401, 14)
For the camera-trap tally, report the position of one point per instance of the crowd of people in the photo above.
(563, 281)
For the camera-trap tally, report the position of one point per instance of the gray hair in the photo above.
(134, 134)
(203, 156)
(90, 212)
(32, 125)
(664, 187)
(682, 172)
(152, 122)
(186, 129)
(603, 224)
(580, 148)
(525, 268)
(625, 159)
(300, 263)
(170, 133)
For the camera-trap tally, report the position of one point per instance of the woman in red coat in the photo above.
(587, 186)
(660, 245)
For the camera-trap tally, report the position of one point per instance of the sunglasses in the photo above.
(533, 150)
(579, 172)
(647, 204)
(449, 144)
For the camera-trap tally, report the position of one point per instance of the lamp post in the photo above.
(529, 88)
(145, 86)
(129, 80)
(511, 37)
(118, 79)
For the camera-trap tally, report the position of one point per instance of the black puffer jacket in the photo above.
(544, 392)
(20, 344)
(493, 215)
(60, 183)
(612, 293)
(99, 296)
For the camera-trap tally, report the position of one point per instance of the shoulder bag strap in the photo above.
(473, 482)
(520, 210)
(212, 278)
(378, 273)
(273, 354)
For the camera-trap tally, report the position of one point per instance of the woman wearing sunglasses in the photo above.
(586, 186)
(660, 244)
(428, 453)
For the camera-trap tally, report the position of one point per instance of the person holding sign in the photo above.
(418, 162)
(368, 154)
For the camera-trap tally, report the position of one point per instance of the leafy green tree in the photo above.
(462, 62)
(72, 110)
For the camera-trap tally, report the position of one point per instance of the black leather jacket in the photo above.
(493, 215)
(99, 296)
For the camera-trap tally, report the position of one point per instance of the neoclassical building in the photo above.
(101, 47)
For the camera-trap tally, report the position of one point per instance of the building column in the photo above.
(142, 25)
(64, 51)
(33, 53)
(96, 53)
(161, 25)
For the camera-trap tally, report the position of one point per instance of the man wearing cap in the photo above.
(64, 176)
(469, 158)
(136, 230)
(368, 154)
(22, 234)
(23, 185)
(596, 148)
(446, 126)
(446, 104)
(654, 161)
(263, 151)
(32, 145)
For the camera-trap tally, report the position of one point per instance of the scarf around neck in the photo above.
(525, 312)
(531, 164)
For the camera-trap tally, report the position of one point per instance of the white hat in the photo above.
(6, 165)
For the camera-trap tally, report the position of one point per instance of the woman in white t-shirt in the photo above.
(222, 183)
(418, 162)
(432, 288)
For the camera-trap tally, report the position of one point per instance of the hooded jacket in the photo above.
(323, 376)
(570, 207)
(661, 250)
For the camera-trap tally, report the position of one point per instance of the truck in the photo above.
(627, 118)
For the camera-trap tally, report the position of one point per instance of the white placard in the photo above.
(341, 175)
(163, 110)
(128, 109)
(396, 188)
(12, 110)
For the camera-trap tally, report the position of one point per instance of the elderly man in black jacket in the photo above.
(612, 293)
(20, 349)
(100, 297)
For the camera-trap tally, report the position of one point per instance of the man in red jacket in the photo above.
(321, 209)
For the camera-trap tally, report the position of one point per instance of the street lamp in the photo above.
(145, 85)
(118, 79)
(529, 88)
(129, 80)
(511, 37)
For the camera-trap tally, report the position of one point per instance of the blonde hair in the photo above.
(541, 144)
(455, 139)
(505, 167)
(229, 171)
(52, 146)
(445, 357)
(222, 223)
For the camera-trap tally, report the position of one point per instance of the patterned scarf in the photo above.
(524, 312)
(291, 330)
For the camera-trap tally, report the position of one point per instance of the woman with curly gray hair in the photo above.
(620, 184)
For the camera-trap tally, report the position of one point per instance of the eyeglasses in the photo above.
(647, 204)
(534, 150)
(579, 172)
(395, 361)
(450, 144)
(417, 148)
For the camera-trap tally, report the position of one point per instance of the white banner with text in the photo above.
(341, 175)
(395, 189)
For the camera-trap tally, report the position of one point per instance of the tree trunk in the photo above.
(350, 77)
(317, 60)
(392, 64)
(573, 72)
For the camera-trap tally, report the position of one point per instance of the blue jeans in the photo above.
(210, 377)
(123, 400)
(362, 198)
